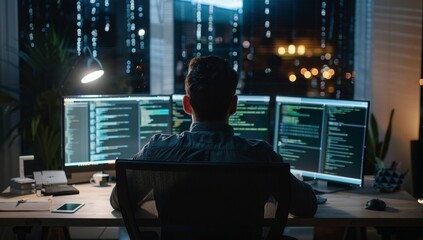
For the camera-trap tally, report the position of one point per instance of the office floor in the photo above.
(114, 233)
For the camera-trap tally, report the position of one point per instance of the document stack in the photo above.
(22, 186)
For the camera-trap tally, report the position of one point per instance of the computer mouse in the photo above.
(376, 204)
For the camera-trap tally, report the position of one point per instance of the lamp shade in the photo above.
(92, 70)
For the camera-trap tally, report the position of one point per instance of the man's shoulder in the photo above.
(163, 139)
(257, 149)
(157, 143)
(255, 143)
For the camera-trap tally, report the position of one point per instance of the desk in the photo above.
(346, 209)
(343, 209)
(96, 212)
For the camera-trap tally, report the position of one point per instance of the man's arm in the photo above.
(114, 199)
(303, 199)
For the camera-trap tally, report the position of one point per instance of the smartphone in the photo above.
(68, 208)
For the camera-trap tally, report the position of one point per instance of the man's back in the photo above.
(215, 142)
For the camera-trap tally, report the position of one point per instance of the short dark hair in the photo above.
(210, 84)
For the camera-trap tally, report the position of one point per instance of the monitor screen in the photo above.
(322, 139)
(251, 119)
(99, 129)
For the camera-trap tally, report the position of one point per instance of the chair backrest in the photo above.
(205, 200)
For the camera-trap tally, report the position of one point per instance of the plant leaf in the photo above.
(374, 133)
(385, 144)
(379, 163)
(370, 148)
(34, 127)
(47, 144)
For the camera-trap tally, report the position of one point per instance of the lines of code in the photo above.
(180, 120)
(154, 118)
(251, 120)
(112, 126)
(345, 136)
(300, 135)
(76, 133)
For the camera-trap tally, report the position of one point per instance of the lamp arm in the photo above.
(86, 48)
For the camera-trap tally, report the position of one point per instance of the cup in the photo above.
(100, 179)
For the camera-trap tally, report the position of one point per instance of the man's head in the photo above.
(210, 89)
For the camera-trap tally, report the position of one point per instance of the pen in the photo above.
(21, 201)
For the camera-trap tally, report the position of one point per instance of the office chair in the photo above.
(204, 200)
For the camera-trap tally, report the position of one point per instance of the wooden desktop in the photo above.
(342, 209)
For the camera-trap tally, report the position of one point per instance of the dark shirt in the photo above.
(215, 142)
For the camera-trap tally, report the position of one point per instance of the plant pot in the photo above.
(387, 180)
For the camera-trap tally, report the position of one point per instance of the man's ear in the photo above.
(234, 105)
(187, 105)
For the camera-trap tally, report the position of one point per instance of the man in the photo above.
(210, 99)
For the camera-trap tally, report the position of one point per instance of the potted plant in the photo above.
(42, 70)
(387, 179)
(376, 148)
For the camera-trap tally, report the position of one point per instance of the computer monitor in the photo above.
(97, 129)
(251, 119)
(322, 139)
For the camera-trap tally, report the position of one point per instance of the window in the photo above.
(299, 48)
(117, 32)
(278, 47)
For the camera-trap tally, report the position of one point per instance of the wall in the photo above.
(396, 56)
(9, 76)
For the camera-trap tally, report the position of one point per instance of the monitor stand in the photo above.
(328, 187)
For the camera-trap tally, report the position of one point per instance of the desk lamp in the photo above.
(93, 68)
(89, 67)
(22, 185)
